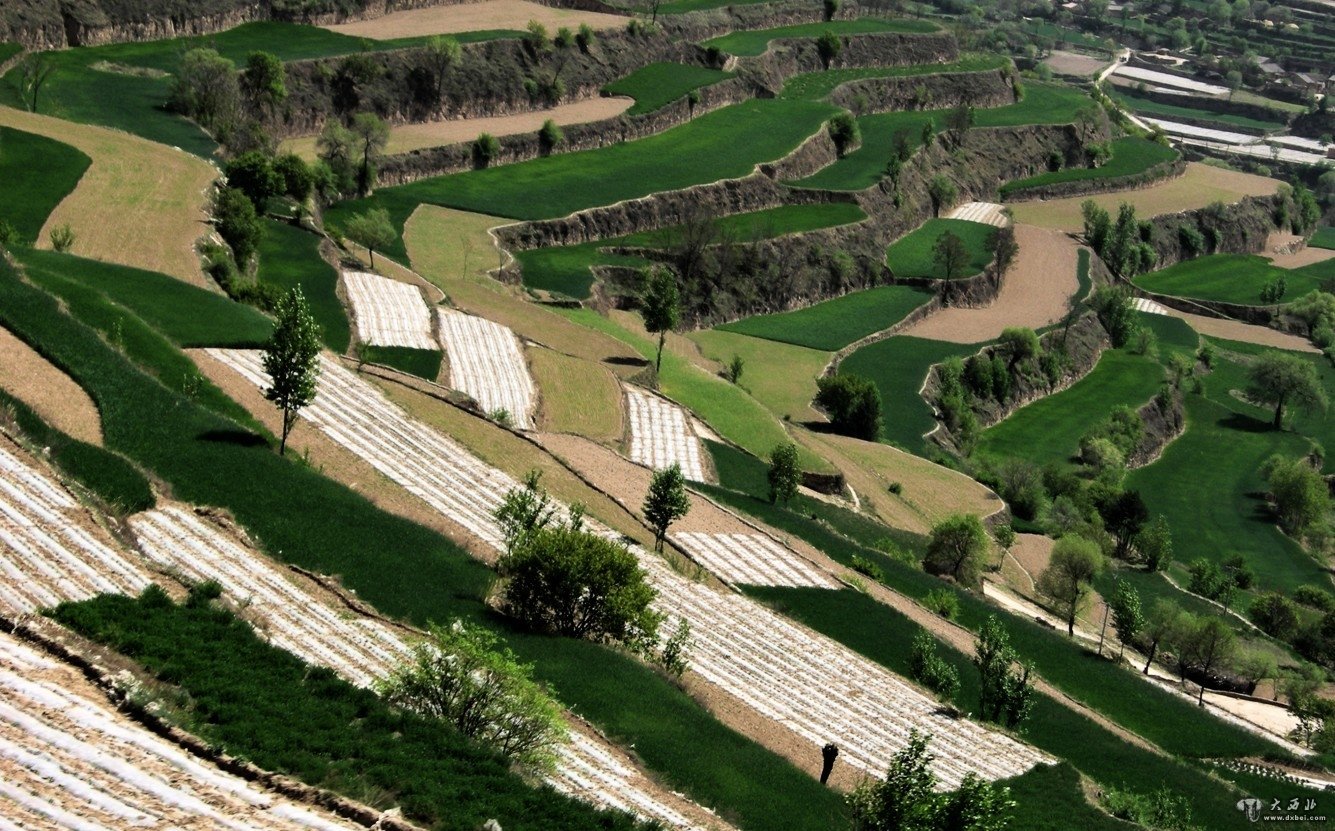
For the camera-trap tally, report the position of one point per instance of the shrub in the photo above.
(1314, 597)
(929, 669)
(9, 235)
(485, 149)
(783, 473)
(585, 37)
(535, 38)
(550, 135)
(853, 404)
(238, 225)
(459, 675)
(62, 238)
(862, 565)
(1299, 494)
(254, 175)
(829, 46)
(564, 38)
(956, 548)
(844, 132)
(675, 657)
(1275, 615)
(1113, 306)
(943, 602)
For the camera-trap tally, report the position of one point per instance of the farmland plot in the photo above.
(1144, 304)
(753, 559)
(487, 362)
(388, 313)
(360, 649)
(46, 557)
(67, 760)
(660, 435)
(986, 213)
(1177, 128)
(1166, 79)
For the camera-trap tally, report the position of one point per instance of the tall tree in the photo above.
(666, 502)
(372, 230)
(1161, 625)
(1068, 579)
(1124, 515)
(238, 224)
(957, 547)
(1128, 619)
(441, 56)
(660, 305)
(853, 404)
(1005, 248)
(784, 474)
(264, 83)
(1279, 379)
(942, 191)
(1210, 644)
(951, 255)
(1005, 693)
(292, 359)
(34, 72)
(372, 135)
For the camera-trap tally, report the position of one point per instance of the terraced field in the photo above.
(913, 255)
(815, 86)
(834, 324)
(1129, 157)
(751, 43)
(1232, 278)
(659, 84)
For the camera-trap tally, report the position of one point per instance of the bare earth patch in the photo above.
(1199, 186)
(1303, 256)
(133, 184)
(1245, 332)
(55, 396)
(1034, 292)
(404, 138)
(473, 17)
(1074, 64)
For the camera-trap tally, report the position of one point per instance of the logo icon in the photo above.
(1250, 807)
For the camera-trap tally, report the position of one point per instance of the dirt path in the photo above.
(474, 17)
(1034, 292)
(404, 138)
(1245, 332)
(1197, 187)
(132, 186)
(55, 396)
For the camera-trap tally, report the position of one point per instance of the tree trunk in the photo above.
(662, 338)
(1278, 423)
(1154, 647)
(1070, 622)
(287, 428)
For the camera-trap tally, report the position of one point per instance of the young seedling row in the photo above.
(660, 435)
(387, 312)
(752, 559)
(487, 362)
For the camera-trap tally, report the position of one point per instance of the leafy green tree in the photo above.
(1299, 492)
(264, 83)
(297, 177)
(1280, 379)
(950, 255)
(1155, 544)
(1275, 614)
(666, 502)
(828, 46)
(660, 306)
(524, 511)
(34, 71)
(1162, 625)
(573, 583)
(253, 174)
(844, 132)
(371, 230)
(853, 404)
(337, 149)
(1098, 225)
(1020, 345)
(292, 359)
(1005, 248)
(942, 191)
(1208, 645)
(237, 223)
(928, 668)
(1128, 618)
(957, 547)
(784, 474)
(1005, 694)
(460, 675)
(440, 57)
(907, 800)
(1068, 579)
(372, 134)
(206, 87)
(1124, 515)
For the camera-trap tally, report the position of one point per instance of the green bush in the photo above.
(853, 404)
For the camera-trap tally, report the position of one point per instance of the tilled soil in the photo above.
(55, 396)
(474, 17)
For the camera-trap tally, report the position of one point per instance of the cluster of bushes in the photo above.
(853, 404)
(1317, 310)
(238, 106)
(1125, 243)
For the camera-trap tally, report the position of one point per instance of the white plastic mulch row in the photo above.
(67, 760)
(487, 362)
(986, 213)
(45, 556)
(821, 690)
(752, 559)
(1301, 143)
(1177, 128)
(1260, 151)
(661, 434)
(359, 649)
(588, 771)
(1168, 80)
(1144, 304)
(387, 312)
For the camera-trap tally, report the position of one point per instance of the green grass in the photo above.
(659, 84)
(564, 269)
(683, 6)
(834, 324)
(210, 460)
(1232, 375)
(1131, 155)
(898, 366)
(911, 256)
(135, 102)
(9, 50)
(188, 315)
(290, 258)
(255, 701)
(424, 363)
(37, 174)
(1049, 429)
(752, 43)
(1042, 104)
(1323, 238)
(722, 144)
(814, 86)
(1140, 104)
(1229, 278)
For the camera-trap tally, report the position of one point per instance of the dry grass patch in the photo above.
(404, 138)
(578, 396)
(1199, 186)
(473, 17)
(779, 375)
(139, 204)
(928, 492)
(52, 394)
(453, 250)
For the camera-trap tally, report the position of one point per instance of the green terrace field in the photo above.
(752, 43)
(1130, 155)
(1323, 238)
(1139, 104)
(37, 173)
(911, 256)
(9, 50)
(833, 324)
(1042, 104)
(1231, 278)
(126, 85)
(564, 269)
(424, 363)
(684, 6)
(659, 84)
(815, 86)
(898, 366)
(290, 257)
(723, 144)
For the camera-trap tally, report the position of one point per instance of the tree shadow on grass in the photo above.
(1244, 423)
(239, 438)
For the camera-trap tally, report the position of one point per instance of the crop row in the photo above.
(487, 362)
(751, 559)
(660, 435)
(387, 312)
